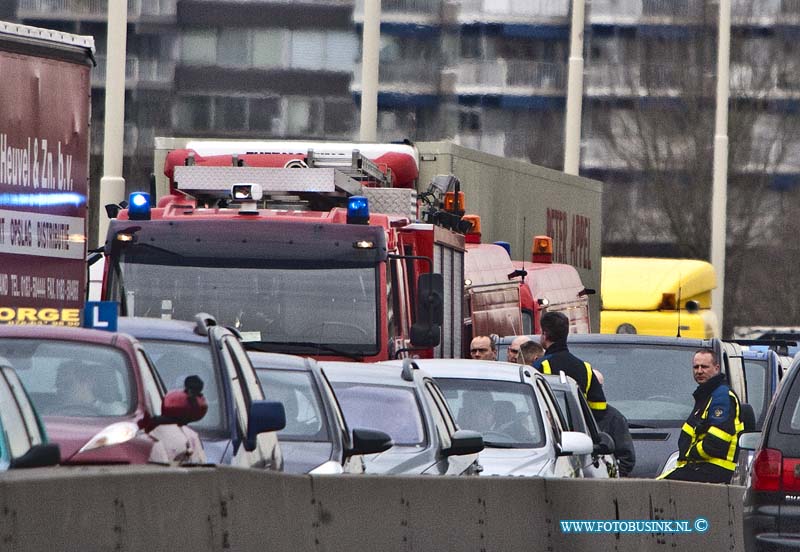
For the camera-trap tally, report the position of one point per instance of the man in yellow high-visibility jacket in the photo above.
(707, 446)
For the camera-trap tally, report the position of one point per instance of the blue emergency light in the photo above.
(139, 206)
(505, 245)
(358, 210)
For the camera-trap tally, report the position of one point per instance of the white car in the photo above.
(515, 410)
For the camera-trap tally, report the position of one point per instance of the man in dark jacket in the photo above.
(613, 422)
(557, 358)
(707, 445)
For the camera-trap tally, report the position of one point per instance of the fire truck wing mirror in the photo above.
(426, 331)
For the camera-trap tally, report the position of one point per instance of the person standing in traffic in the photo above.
(557, 358)
(483, 347)
(707, 447)
(529, 352)
(513, 349)
(614, 422)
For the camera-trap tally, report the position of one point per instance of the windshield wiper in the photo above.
(274, 346)
(495, 444)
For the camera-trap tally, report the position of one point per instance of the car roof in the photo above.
(636, 339)
(157, 328)
(555, 382)
(65, 333)
(466, 368)
(359, 372)
(280, 361)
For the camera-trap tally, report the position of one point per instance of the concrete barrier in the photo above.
(217, 509)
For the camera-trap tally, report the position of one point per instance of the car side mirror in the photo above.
(38, 456)
(426, 331)
(575, 443)
(181, 407)
(464, 441)
(369, 441)
(749, 440)
(264, 416)
(605, 444)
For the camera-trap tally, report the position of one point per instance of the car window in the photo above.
(446, 413)
(552, 411)
(651, 385)
(174, 360)
(561, 398)
(245, 368)
(240, 400)
(438, 416)
(71, 378)
(305, 418)
(334, 402)
(152, 385)
(790, 415)
(757, 376)
(506, 413)
(25, 406)
(13, 424)
(393, 410)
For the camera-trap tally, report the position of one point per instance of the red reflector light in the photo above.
(790, 479)
(766, 470)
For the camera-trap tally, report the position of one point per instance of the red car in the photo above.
(100, 398)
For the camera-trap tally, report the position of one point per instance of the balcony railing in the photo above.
(412, 76)
(94, 10)
(494, 143)
(138, 72)
(657, 80)
(512, 10)
(405, 11)
(509, 77)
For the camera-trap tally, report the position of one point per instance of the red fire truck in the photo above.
(261, 240)
(507, 297)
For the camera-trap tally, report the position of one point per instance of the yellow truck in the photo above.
(649, 296)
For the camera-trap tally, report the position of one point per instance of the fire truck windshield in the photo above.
(292, 310)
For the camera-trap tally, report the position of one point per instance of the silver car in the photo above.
(405, 403)
(515, 410)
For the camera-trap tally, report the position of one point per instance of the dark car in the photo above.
(100, 398)
(316, 438)
(239, 427)
(772, 496)
(23, 439)
(406, 404)
(649, 379)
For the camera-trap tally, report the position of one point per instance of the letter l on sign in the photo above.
(101, 315)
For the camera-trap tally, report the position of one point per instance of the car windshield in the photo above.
(69, 378)
(650, 385)
(393, 410)
(175, 360)
(305, 418)
(505, 412)
(331, 306)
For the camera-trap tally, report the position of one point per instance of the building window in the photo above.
(233, 48)
(230, 114)
(268, 48)
(308, 49)
(265, 114)
(193, 113)
(199, 47)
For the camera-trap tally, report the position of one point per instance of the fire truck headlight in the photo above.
(139, 206)
(364, 244)
(358, 210)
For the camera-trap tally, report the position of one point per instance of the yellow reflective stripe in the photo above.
(727, 464)
(598, 405)
(589, 376)
(546, 367)
(703, 454)
(719, 434)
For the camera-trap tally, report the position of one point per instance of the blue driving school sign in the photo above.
(101, 315)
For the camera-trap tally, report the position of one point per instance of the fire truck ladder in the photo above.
(356, 166)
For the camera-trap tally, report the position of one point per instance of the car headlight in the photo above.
(672, 463)
(113, 434)
(328, 468)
